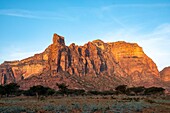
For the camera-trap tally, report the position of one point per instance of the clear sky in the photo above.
(27, 26)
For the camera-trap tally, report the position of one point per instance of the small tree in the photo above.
(94, 92)
(63, 88)
(78, 92)
(29, 93)
(2, 91)
(50, 91)
(38, 90)
(136, 90)
(11, 89)
(154, 90)
(121, 89)
(107, 92)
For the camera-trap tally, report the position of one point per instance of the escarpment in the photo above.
(96, 65)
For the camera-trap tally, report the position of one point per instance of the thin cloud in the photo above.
(156, 49)
(154, 43)
(119, 22)
(19, 55)
(35, 14)
(13, 52)
(134, 5)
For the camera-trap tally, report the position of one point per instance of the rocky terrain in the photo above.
(94, 66)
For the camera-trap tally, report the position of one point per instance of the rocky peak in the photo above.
(93, 65)
(122, 49)
(58, 40)
(99, 43)
(72, 45)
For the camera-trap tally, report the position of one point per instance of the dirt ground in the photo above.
(86, 104)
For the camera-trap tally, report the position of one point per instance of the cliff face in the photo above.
(96, 65)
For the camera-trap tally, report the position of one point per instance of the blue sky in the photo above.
(27, 26)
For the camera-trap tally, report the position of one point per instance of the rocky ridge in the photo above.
(96, 66)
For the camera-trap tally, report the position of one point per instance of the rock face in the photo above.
(96, 65)
(165, 74)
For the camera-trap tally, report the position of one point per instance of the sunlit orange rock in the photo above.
(94, 66)
(165, 74)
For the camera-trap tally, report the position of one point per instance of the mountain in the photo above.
(94, 66)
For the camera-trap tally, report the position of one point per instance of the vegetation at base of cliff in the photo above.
(81, 101)
(12, 89)
(9, 89)
(86, 104)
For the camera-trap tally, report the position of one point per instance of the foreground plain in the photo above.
(86, 104)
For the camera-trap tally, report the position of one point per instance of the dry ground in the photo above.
(86, 104)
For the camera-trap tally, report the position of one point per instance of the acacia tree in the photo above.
(38, 90)
(63, 88)
(136, 90)
(154, 90)
(121, 89)
(11, 89)
(50, 91)
(2, 91)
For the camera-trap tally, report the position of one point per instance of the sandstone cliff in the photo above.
(95, 65)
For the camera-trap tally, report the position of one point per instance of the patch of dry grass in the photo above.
(86, 104)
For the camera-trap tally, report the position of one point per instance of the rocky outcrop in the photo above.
(165, 74)
(138, 66)
(96, 65)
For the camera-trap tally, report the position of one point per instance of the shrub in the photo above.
(110, 92)
(149, 101)
(49, 107)
(62, 108)
(76, 106)
(154, 90)
(2, 90)
(91, 108)
(121, 89)
(94, 92)
(55, 108)
(50, 91)
(10, 89)
(38, 91)
(12, 109)
(136, 90)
